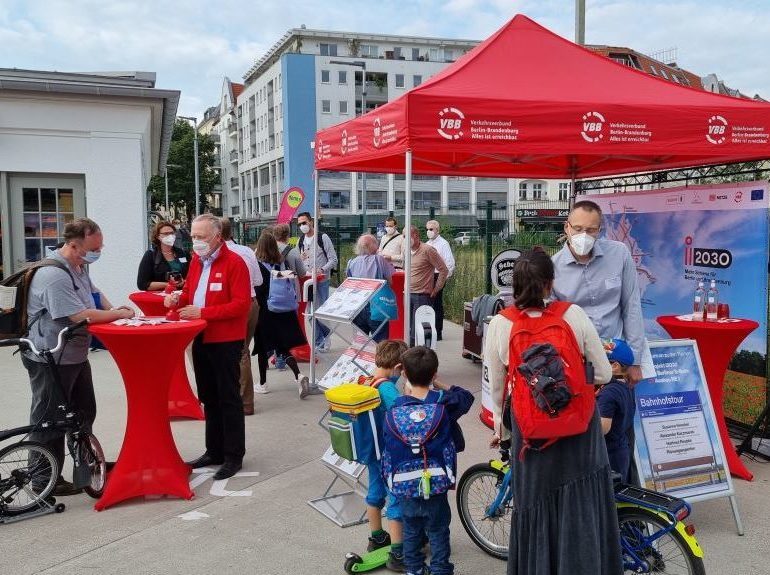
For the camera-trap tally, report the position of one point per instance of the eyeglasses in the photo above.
(431, 229)
(580, 229)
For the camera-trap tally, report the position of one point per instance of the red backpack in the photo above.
(545, 424)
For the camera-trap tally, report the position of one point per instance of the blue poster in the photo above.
(678, 448)
(681, 236)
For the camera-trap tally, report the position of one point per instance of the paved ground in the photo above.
(273, 530)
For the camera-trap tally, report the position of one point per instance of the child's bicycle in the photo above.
(653, 537)
(29, 469)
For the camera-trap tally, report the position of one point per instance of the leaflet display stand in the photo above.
(346, 508)
(347, 301)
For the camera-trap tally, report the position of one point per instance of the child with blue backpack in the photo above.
(422, 439)
(387, 360)
(615, 402)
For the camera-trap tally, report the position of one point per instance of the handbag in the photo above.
(383, 303)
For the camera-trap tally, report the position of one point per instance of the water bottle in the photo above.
(712, 302)
(698, 308)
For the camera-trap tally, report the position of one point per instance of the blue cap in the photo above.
(618, 350)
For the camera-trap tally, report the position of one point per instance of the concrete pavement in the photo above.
(272, 530)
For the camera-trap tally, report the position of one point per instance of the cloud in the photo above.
(193, 44)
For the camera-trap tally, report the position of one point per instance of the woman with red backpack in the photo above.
(543, 361)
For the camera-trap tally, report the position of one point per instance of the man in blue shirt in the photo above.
(599, 275)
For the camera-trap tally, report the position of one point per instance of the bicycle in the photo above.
(28, 468)
(653, 536)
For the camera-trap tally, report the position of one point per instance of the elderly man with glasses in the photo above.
(599, 275)
(433, 229)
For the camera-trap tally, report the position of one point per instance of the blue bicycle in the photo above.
(653, 535)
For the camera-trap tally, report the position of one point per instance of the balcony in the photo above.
(234, 183)
(234, 156)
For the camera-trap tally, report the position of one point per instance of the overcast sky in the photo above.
(192, 45)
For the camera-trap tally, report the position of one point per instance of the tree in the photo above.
(181, 172)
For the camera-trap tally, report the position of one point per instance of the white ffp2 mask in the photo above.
(582, 243)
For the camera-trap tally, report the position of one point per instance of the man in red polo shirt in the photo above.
(218, 290)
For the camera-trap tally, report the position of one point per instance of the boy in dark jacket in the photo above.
(616, 405)
(430, 516)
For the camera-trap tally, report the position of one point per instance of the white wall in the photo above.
(109, 143)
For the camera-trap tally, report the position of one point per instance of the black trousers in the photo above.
(78, 388)
(217, 374)
(438, 307)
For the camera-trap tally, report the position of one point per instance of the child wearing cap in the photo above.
(616, 405)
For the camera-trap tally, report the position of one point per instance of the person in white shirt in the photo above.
(392, 244)
(248, 256)
(445, 251)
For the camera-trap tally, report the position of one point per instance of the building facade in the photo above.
(81, 145)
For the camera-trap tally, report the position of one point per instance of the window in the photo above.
(459, 201)
(397, 52)
(325, 77)
(342, 77)
(653, 70)
(369, 51)
(326, 106)
(45, 211)
(433, 54)
(449, 55)
(328, 49)
(564, 191)
(663, 73)
(335, 199)
(537, 191)
(523, 191)
(399, 80)
(343, 107)
(415, 53)
(416, 80)
(425, 200)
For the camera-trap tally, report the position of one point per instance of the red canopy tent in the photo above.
(527, 103)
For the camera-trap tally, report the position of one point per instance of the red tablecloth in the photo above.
(148, 463)
(181, 399)
(396, 326)
(717, 342)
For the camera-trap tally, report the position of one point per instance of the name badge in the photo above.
(182, 260)
(215, 287)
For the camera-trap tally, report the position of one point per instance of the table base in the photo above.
(182, 402)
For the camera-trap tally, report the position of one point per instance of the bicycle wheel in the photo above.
(28, 474)
(92, 456)
(667, 555)
(476, 491)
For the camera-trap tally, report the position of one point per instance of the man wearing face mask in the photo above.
(599, 275)
(435, 240)
(59, 296)
(326, 262)
(392, 244)
(219, 290)
(422, 285)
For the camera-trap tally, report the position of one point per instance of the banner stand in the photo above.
(348, 507)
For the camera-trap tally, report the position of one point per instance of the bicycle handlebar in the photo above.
(27, 344)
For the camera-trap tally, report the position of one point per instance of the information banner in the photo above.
(678, 447)
(680, 236)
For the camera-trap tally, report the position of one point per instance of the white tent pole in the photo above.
(313, 279)
(408, 248)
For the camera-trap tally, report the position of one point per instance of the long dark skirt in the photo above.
(564, 522)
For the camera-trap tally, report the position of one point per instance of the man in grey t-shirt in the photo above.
(58, 299)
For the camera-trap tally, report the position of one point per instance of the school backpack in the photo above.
(14, 321)
(354, 425)
(552, 395)
(282, 296)
(420, 458)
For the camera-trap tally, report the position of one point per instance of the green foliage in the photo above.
(181, 179)
(750, 362)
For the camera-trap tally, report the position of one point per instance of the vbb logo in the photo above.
(717, 129)
(377, 135)
(344, 142)
(593, 124)
(450, 123)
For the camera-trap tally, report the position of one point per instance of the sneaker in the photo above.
(64, 488)
(396, 563)
(261, 388)
(303, 382)
(382, 540)
(280, 363)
